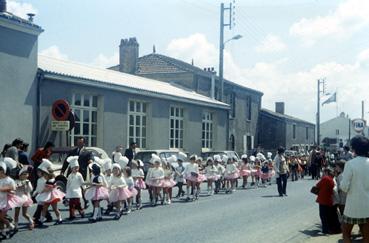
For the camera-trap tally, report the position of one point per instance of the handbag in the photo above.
(314, 190)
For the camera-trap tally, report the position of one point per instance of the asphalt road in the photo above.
(252, 215)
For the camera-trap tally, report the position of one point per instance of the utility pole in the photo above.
(320, 82)
(221, 43)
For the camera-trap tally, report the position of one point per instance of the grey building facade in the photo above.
(18, 82)
(111, 108)
(278, 129)
(245, 103)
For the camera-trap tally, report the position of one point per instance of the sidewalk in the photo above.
(317, 237)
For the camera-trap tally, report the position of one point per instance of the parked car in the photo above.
(58, 157)
(229, 153)
(145, 156)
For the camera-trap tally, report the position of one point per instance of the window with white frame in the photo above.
(137, 123)
(207, 130)
(85, 110)
(176, 127)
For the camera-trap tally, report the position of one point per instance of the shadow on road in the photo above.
(268, 196)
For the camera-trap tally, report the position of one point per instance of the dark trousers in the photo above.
(282, 184)
(75, 204)
(180, 189)
(329, 218)
(38, 212)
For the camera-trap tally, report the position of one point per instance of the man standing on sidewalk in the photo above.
(281, 169)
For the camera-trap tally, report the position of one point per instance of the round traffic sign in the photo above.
(60, 110)
(358, 125)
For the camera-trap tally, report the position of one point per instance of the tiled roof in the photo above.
(284, 116)
(18, 20)
(157, 63)
(105, 78)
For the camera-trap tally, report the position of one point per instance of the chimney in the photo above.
(30, 17)
(279, 107)
(128, 55)
(2, 6)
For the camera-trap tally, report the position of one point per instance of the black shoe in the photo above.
(285, 195)
(87, 205)
(92, 220)
(188, 199)
(117, 216)
(58, 222)
(99, 219)
(107, 212)
(71, 218)
(82, 215)
(281, 195)
(49, 219)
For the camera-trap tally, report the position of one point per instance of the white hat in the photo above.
(172, 159)
(244, 156)
(140, 163)
(269, 155)
(10, 163)
(24, 169)
(252, 158)
(116, 165)
(193, 157)
(134, 162)
(260, 156)
(181, 156)
(209, 159)
(217, 158)
(3, 166)
(107, 165)
(199, 158)
(45, 165)
(225, 158)
(73, 161)
(155, 159)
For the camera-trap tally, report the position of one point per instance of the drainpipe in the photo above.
(40, 77)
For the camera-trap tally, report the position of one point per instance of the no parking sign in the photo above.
(60, 110)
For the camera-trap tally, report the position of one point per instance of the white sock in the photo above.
(99, 212)
(188, 191)
(42, 218)
(96, 211)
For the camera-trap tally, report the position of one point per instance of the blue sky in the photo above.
(286, 44)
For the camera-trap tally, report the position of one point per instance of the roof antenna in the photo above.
(153, 49)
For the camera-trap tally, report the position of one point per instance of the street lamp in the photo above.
(221, 57)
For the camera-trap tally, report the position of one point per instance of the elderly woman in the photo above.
(281, 169)
(355, 182)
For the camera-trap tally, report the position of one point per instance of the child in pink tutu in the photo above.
(23, 191)
(131, 187)
(191, 175)
(201, 177)
(211, 172)
(264, 173)
(50, 196)
(252, 169)
(96, 192)
(148, 181)
(221, 170)
(231, 174)
(168, 182)
(8, 200)
(74, 190)
(156, 178)
(257, 173)
(245, 170)
(119, 191)
(138, 177)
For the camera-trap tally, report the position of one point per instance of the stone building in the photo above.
(245, 103)
(110, 107)
(278, 129)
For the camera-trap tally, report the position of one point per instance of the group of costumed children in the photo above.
(121, 186)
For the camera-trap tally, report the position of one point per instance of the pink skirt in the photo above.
(97, 193)
(156, 182)
(140, 184)
(26, 201)
(120, 194)
(245, 172)
(55, 195)
(133, 191)
(264, 176)
(232, 176)
(168, 183)
(12, 202)
(213, 177)
(199, 178)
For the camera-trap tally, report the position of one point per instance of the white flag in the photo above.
(331, 99)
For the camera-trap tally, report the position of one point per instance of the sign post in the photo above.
(63, 118)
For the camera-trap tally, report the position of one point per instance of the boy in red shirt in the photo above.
(327, 211)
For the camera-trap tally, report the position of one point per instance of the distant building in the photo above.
(279, 129)
(337, 132)
(245, 103)
(110, 107)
